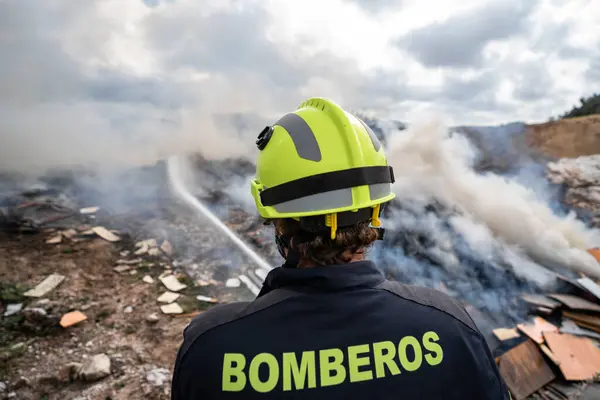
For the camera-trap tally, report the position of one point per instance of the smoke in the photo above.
(495, 211)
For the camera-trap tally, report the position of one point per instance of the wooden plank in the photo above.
(593, 320)
(590, 286)
(537, 328)
(579, 358)
(595, 253)
(525, 370)
(506, 333)
(576, 303)
(540, 301)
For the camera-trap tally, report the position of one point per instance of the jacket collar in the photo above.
(324, 278)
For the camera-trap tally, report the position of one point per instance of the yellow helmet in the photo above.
(321, 161)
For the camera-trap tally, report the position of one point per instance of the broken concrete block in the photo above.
(172, 283)
(46, 286)
(172, 308)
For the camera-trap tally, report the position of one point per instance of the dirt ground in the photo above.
(35, 355)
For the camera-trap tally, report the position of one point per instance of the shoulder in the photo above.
(212, 318)
(430, 298)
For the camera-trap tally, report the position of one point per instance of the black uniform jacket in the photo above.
(336, 332)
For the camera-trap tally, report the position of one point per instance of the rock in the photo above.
(3, 387)
(13, 309)
(128, 310)
(154, 252)
(148, 279)
(96, 368)
(172, 283)
(11, 395)
(158, 377)
(69, 372)
(152, 318)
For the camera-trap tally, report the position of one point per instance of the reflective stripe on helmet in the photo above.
(302, 135)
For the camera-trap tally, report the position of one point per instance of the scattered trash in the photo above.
(158, 377)
(535, 331)
(148, 279)
(46, 286)
(524, 370)
(89, 210)
(130, 262)
(13, 309)
(167, 248)
(579, 358)
(233, 283)
(168, 297)
(152, 318)
(121, 268)
(56, 239)
(172, 283)
(172, 308)
(72, 318)
(506, 333)
(96, 368)
(206, 299)
(105, 234)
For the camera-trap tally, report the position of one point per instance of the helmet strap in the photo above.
(292, 258)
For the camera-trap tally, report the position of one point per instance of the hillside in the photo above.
(572, 137)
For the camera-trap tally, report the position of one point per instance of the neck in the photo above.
(356, 257)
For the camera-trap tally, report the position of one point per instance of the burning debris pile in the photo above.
(555, 355)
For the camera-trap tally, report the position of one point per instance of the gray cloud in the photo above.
(460, 40)
(377, 6)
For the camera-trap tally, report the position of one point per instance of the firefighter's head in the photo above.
(322, 177)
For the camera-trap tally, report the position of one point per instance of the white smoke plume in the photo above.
(431, 164)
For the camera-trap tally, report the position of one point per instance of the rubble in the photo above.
(168, 297)
(96, 368)
(105, 234)
(554, 355)
(46, 286)
(172, 283)
(72, 318)
(158, 376)
(172, 308)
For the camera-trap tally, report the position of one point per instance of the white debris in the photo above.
(105, 234)
(168, 297)
(49, 284)
(142, 250)
(206, 299)
(3, 387)
(152, 318)
(130, 262)
(172, 283)
(167, 248)
(233, 283)
(13, 309)
(89, 210)
(128, 310)
(56, 239)
(121, 268)
(158, 377)
(150, 243)
(172, 308)
(148, 279)
(154, 252)
(95, 368)
(69, 233)
(124, 253)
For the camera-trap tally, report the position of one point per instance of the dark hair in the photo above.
(321, 249)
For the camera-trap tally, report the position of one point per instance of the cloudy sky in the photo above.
(76, 72)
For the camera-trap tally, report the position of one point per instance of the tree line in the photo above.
(589, 105)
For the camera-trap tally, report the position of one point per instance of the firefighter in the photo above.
(327, 324)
